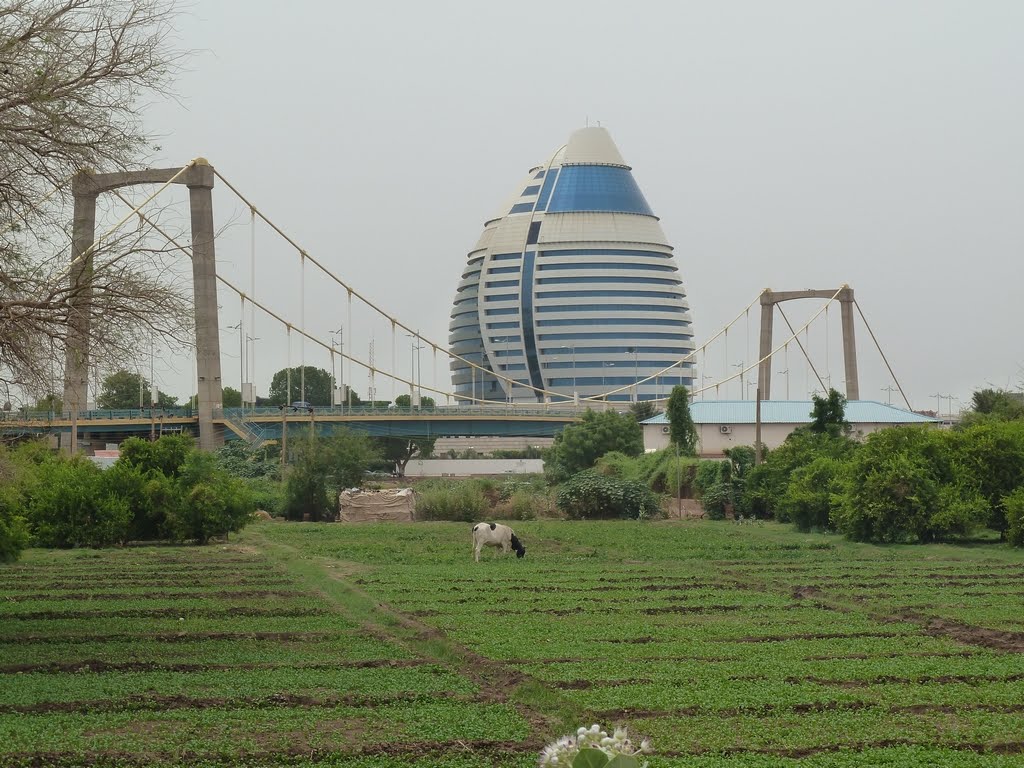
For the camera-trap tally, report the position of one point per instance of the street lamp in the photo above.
(743, 385)
(341, 366)
(413, 356)
(786, 371)
(636, 373)
(605, 364)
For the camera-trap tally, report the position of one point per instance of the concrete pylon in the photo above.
(86, 187)
(770, 298)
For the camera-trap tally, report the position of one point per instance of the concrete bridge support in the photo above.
(768, 301)
(86, 187)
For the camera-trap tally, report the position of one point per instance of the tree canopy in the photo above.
(829, 414)
(121, 389)
(682, 432)
(73, 75)
(317, 392)
(579, 446)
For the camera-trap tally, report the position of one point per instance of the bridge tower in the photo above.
(770, 298)
(86, 188)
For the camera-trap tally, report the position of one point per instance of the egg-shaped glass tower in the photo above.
(572, 288)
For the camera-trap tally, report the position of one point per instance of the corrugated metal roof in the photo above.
(793, 412)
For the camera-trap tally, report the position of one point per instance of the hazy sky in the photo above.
(784, 145)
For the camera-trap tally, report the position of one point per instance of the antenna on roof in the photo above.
(587, 121)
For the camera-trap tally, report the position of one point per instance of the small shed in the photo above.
(395, 506)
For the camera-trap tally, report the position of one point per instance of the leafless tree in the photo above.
(72, 73)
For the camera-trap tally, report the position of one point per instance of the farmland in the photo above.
(386, 645)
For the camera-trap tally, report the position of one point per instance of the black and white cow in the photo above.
(495, 535)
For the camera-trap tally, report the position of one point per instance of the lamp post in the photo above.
(743, 385)
(636, 373)
(604, 365)
(413, 354)
(340, 332)
(786, 371)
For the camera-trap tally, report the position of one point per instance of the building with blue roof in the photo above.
(572, 288)
(724, 424)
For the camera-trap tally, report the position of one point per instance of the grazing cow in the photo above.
(495, 535)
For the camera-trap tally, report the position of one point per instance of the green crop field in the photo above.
(386, 645)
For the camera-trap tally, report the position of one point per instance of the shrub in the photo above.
(590, 495)
(715, 498)
(13, 527)
(1013, 503)
(580, 445)
(766, 484)
(67, 506)
(989, 456)
(900, 486)
(455, 501)
(211, 509)
(808, 500)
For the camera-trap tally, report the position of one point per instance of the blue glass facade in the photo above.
(578, 270)
(597, 188)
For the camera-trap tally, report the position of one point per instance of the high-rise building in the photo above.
(572, 288)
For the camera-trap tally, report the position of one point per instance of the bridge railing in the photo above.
(105, 414)
(403, 411)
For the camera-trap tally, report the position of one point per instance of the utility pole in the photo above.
(757, 429)
(890, 389)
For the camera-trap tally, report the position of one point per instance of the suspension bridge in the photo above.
(463, 414)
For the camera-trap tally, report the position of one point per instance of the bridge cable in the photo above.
(807, 357)
(884, 359)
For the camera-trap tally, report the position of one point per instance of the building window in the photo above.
(502, 270)
(533, 189)
(501, 284)
(533, 234)
(521, 208)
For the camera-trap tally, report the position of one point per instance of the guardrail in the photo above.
(273, 410)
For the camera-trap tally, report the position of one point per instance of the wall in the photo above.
(471, 467)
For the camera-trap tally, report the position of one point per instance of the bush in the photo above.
(1013, 503)
(68, 508)
(13, 527)
(267, 494)
(715, 498)
(808, 500)
(452, 500)
(580, 445)
(211, 509)
(766, 484)
(900, 486)
(989, 456)
(590, 495)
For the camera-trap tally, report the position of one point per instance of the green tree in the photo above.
(643, 410)
(829, 414)
(999, 402)
(580, 445)
(318, 386)
(50, 404)
(901, 486)
(120, 390)
(812, 492)
(766, 483)
(212, 502)
(321, 467)
(166, 455)
(14, 533)
(68, 508)
(399, 451)
(989, 456)
(231, 398)
(682, 432)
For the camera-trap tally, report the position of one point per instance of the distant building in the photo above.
(723, 424)
(572, 287)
